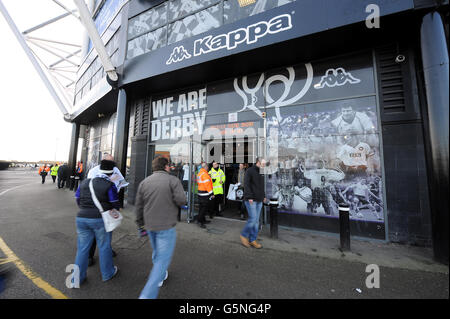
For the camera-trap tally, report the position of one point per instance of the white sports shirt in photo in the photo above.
(354, 156)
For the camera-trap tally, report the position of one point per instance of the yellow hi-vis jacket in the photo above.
(219, 176)
(54, 171)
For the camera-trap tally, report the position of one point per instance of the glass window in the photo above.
(326, 153)
(236, 9)
(147, 42)
(147, 21)
(180, 8)
(195, 24)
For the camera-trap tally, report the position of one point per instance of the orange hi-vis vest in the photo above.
(204, 181)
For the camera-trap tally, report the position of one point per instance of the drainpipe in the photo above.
(436, 73)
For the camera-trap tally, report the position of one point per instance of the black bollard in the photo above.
(77, 180)
(71, 182)
(273, 204)
(344, 226)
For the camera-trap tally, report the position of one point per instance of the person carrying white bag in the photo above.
(94, 197)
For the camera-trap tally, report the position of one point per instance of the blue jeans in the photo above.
(87, 229)
(250, 230)
(163, 244)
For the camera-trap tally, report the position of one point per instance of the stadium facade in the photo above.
(343, 98)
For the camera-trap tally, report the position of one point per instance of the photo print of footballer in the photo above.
(328, 153)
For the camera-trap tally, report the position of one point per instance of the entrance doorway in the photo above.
(232, 155)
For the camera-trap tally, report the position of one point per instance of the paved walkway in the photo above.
(37, 223)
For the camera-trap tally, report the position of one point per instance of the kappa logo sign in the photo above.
(336, 77)
(233, 39)
(178, 54)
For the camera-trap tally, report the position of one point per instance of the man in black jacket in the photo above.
(254, 197)
(63, 175)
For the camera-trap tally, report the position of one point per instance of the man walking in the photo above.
(158, 199)
(204, 194)
(43, 171)
(54, 172)
(63, 175)
(254, 196)
(218, 179)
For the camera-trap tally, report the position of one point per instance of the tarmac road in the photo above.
(37, 223)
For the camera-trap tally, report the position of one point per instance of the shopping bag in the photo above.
(111, 218)
(232, 192)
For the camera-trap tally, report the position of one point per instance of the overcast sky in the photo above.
(31, 124)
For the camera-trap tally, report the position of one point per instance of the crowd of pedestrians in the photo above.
(60, 173)
(159, 199)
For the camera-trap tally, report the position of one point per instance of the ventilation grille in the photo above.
(391, 81)
(141, 117)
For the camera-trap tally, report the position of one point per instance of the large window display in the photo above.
(316, 123)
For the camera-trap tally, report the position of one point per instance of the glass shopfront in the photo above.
(316, 124)
(101, 140)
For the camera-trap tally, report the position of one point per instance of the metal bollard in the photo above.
(273, 204)
(77, 180)
(71, 182)
(344, 226)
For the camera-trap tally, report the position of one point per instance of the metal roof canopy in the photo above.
(60, 74)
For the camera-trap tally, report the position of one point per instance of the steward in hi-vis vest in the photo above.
(218, 178)
(54, 172)
(205, 194)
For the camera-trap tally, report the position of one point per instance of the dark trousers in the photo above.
(61, 182)
(218, 199)
(203, 203)
(43, 178)
(54, 179)
(92, 250)
(242, 209)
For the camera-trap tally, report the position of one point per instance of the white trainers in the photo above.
(162, 282)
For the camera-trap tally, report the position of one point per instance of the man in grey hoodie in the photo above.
(158, 200)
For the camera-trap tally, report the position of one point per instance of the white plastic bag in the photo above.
(111, 218)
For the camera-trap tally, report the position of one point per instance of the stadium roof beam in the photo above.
(54, 53)
(63, 59)
(33, 59)
(65, 8)
(39, 26)
(53, 41)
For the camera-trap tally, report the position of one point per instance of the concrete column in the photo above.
(121, 136)
(436, 72)
(121, 132)
(72, 162)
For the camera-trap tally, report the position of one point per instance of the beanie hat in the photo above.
(106, 167)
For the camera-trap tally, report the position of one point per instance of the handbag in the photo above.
(112, 218)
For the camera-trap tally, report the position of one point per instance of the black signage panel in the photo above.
(283, 23)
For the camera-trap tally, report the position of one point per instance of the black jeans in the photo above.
(204, 204)
(218, 199)
(54, 178)
(43, 178)
(61, 182)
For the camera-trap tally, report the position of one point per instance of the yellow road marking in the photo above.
(27, 271)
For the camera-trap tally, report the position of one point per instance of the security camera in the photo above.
(400, 58)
